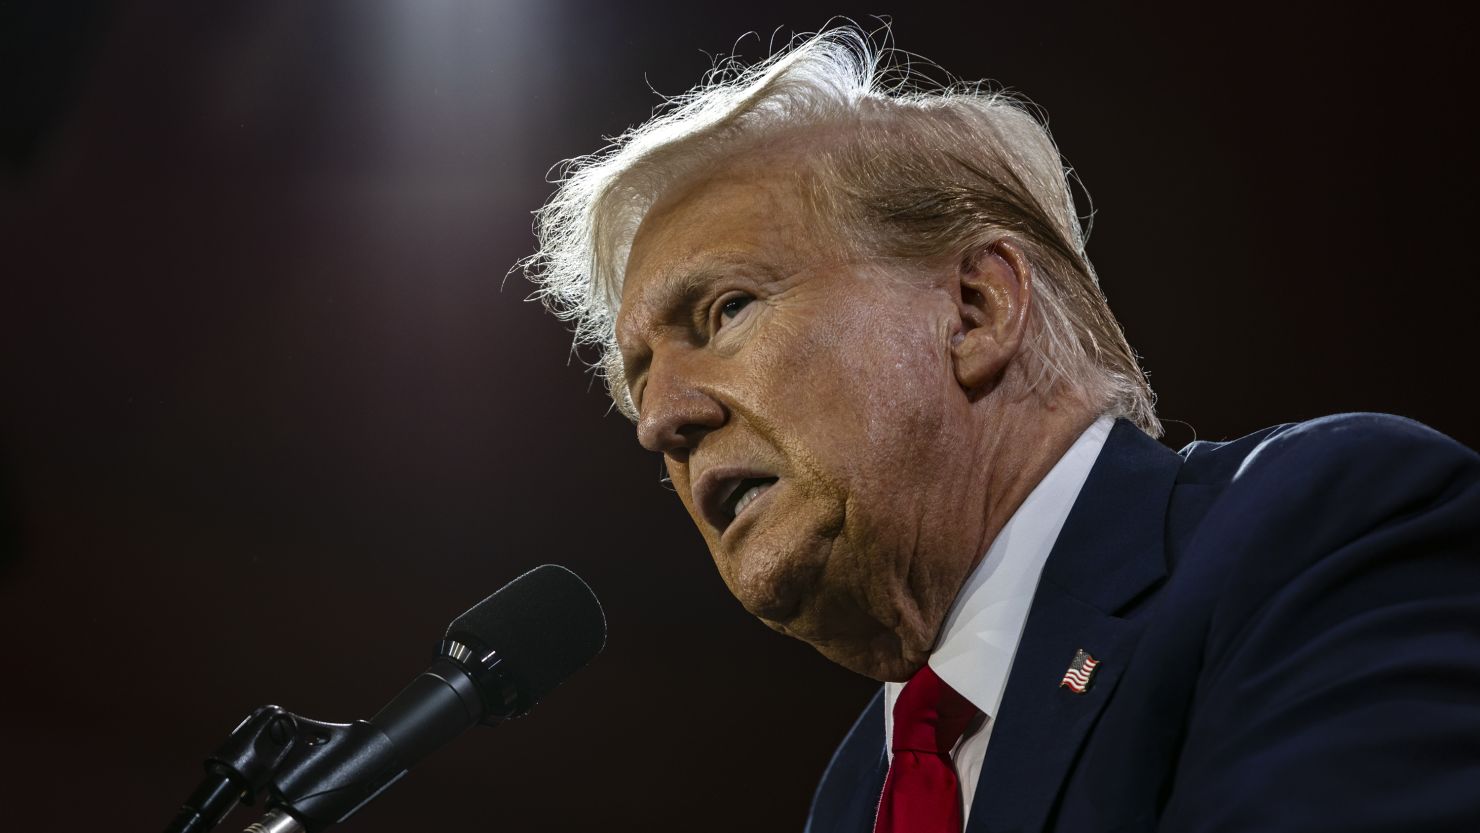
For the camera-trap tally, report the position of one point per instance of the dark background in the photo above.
(270, 414)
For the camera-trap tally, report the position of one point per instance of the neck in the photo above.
(1015, 443)
(1021, 441)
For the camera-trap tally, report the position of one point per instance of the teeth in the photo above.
(750, 495)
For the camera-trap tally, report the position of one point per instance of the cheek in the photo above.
(857, 399)
(870, 385)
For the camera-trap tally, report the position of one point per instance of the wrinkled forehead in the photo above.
(759, 213)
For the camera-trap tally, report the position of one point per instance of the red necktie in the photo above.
(921, 793)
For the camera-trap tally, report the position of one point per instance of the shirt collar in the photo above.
(981, 632)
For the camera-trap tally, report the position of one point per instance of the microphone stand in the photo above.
(313, 774)
(239, 770)
(276, 821)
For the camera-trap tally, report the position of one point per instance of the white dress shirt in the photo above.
(980, 635)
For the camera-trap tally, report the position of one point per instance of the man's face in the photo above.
(809, 415)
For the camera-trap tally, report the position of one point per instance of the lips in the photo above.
(723, 494)
(748, 491)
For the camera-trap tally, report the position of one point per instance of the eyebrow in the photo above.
(679, 294)
(675, 294)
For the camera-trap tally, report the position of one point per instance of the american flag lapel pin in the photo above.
(1080, 672)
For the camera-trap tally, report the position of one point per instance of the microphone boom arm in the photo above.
(546, 624)
(314, 774)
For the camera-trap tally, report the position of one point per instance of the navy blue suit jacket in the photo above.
(1288, 635)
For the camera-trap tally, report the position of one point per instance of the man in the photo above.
(861, 329)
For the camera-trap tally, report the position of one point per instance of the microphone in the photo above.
(497, 660)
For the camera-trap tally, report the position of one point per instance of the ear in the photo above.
(994, 290)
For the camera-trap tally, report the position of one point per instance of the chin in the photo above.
(778, 574)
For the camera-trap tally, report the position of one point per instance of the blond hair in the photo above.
(924, 170)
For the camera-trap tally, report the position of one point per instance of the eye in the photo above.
(730, 307)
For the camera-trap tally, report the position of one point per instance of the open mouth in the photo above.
(723, 494)
(744, 494)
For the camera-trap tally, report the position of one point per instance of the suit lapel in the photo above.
(1109, 553)
(849, 793)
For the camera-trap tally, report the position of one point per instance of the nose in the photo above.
(676, 411)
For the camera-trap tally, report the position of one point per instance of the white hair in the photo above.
(917, 169)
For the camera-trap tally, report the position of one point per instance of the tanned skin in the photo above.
(886, 398)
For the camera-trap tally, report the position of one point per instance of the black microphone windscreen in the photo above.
(546, 624)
